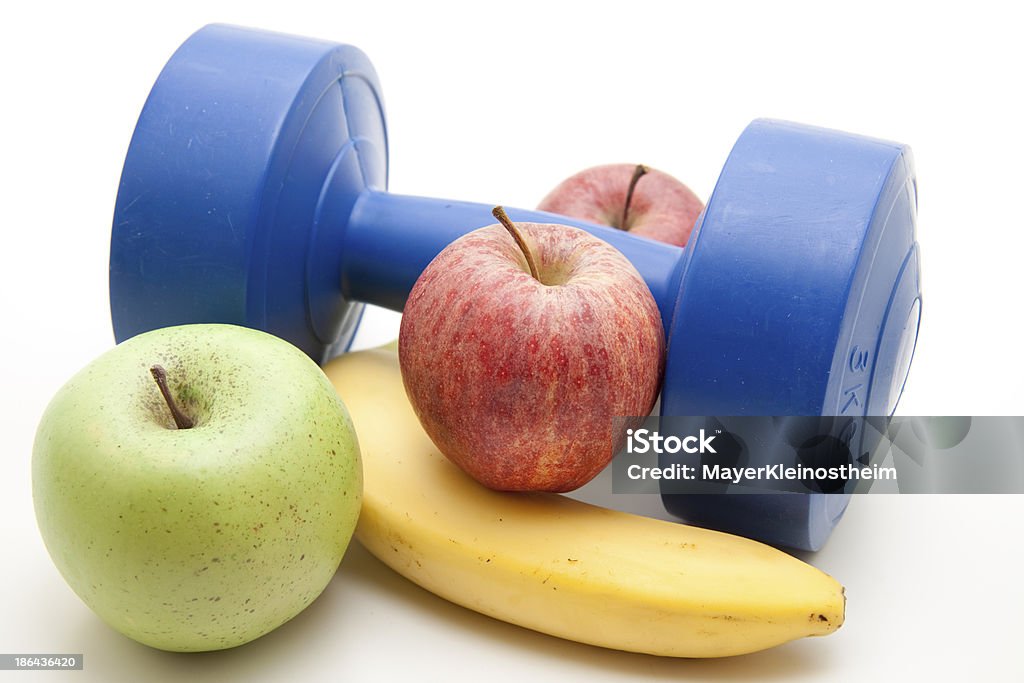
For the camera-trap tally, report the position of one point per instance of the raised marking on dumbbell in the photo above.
(859, 359)
(852, 400)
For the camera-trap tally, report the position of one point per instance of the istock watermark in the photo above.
(645, 440)
(820, 454)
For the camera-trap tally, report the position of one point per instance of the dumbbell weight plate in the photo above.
(223, 179)
(800, 295)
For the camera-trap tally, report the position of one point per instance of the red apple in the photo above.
(640, 200)
(520, 343)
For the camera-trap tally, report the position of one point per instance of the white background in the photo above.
(498, 104)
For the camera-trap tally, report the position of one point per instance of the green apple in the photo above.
(202, 537)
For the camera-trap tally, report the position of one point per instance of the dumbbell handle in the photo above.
(423, 227)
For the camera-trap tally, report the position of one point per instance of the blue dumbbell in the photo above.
(254, 193)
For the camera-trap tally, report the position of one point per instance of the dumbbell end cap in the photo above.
(799, 295)
(222, 213)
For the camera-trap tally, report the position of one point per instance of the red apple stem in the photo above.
(638, 172)
(503, 218)
(181, 420)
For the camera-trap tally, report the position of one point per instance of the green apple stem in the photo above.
(638, 173)
(181, 420)
(503, 218)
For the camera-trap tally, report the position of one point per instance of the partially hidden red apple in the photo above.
(520, 343)
(635, 198)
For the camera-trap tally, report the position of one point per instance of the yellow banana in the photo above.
(561, 566)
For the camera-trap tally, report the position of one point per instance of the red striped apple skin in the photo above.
(516, 379)
(661, 208)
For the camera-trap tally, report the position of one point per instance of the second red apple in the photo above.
(635, 198)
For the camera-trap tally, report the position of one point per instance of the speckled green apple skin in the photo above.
(202, 538)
